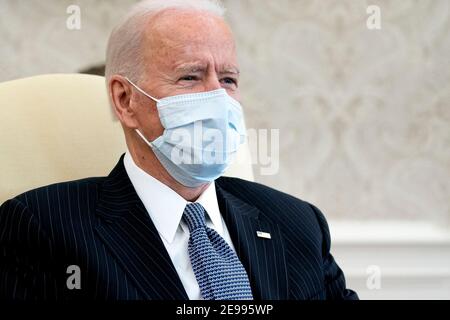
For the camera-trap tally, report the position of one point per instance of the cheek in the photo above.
(150, 123)
(235, 94)
(156, 125)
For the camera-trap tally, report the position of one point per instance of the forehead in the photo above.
(175, 37)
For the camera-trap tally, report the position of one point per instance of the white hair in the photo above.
(124, 53)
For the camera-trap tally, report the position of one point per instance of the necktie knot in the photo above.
(194, 216)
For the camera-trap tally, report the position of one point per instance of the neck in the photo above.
(145, 159)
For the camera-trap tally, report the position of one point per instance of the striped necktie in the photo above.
(217, 268)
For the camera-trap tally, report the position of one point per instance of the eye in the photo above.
(188, 78)
(229, 81)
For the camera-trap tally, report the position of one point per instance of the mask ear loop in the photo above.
(144, 138)
(141, 91)
(147, 95)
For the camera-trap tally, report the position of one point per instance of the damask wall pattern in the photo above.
(364, 115)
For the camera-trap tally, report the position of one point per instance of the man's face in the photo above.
(184, 52)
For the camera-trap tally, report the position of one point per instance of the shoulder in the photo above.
(275, 203)
(59, 191)
(302, 222)
(43, 201)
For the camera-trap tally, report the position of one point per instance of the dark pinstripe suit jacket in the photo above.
(100, 225)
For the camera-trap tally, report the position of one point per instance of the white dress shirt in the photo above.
(166, 208)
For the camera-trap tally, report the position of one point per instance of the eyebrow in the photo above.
(190, 67)
(232, 70)
(201, 67)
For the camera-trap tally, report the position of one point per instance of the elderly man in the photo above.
(164, 224)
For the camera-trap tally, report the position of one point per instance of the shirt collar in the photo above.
(208, 199)
(164, 205)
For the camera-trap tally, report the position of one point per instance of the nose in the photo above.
(212, 82)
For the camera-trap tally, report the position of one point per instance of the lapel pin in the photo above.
(265, 235)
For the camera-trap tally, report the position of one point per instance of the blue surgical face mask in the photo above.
(202, 134)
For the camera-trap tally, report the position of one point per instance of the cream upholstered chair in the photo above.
(60, 127)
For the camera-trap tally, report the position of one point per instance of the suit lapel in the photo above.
(128, 232)
(263, 259)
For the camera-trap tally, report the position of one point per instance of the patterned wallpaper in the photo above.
(364, 115)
